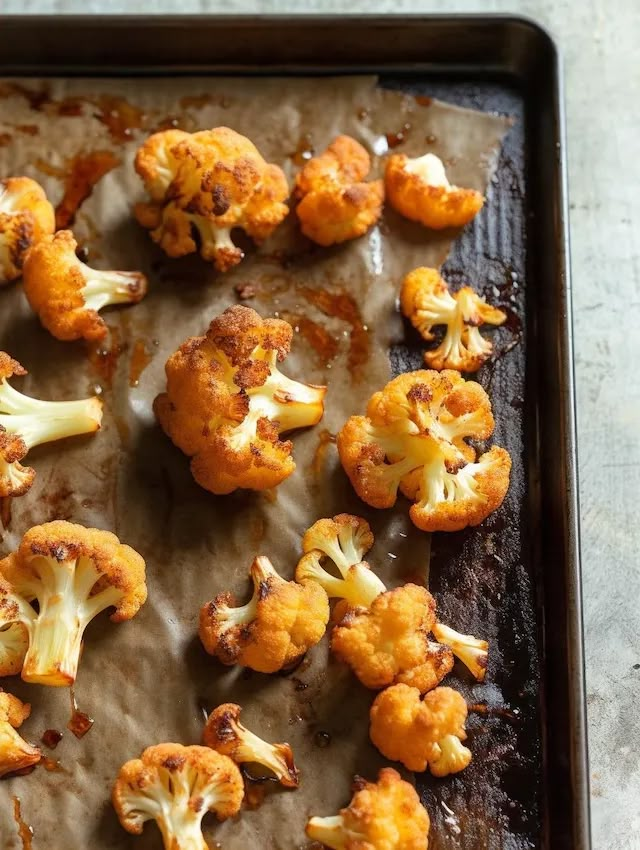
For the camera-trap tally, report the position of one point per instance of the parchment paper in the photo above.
(148, 681)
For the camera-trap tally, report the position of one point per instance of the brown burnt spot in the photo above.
(81, 174)
(419, 393)
(173, 763)
(119, 116)
(28, 129)
(397, 138)
(431, 139)
(105, 359)
(325, 439)
(196, 804)
(51, 765)
(36, 98)
(304, 150)
(423, 100)
(340, 305)
(79, 722)
(25, 832)
(5, 139)
(5, 512)
(140, 359)
(51, 738)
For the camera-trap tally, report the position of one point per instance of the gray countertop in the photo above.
(599, 41)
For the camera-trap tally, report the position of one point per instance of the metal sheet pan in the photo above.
(521, 573)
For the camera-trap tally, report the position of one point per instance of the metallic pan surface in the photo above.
(527, 585)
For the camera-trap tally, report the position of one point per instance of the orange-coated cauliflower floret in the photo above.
(15, 753)
(225, 734)
(421, 732)
(176, 786)
(25, 217)
(389, 641)
(426, 301)
(73, 573)
(27, 422)
(335, 204)
(208, 183)
(67, 295)
(281, 621)
(385, 815)
(418, 189)
(413, 439)
(227, 404)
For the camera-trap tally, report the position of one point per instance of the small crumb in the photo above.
(245, 291)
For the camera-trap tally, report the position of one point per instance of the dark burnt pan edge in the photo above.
(456, 45)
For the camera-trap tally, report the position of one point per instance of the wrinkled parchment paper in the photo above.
(149, 680)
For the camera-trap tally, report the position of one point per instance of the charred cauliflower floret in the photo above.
(335, 204)
(205, 184)
(418, 189)
(27, 422)
(225, 734)
(227, 403)
(426, 301)
(344, 540)
(176, 786)
(421, 733)
(15, 753)
(67, 295)
(472, 651)
(72, 573)
(388, 642)
(382, 815)
(413, 439)
(25, 217)
(281, 621)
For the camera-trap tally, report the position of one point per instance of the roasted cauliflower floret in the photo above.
(418, 189)
(176, 786)
(335, 203)
(25, 217)
(27, 422)
(227, 404)
(225, 734)
(67, 295)
(382, 815)
(421, 733)
(426, 301)
(413, 439)
(15, 753)
(207, 183)
(14, 643)
(273, 630)
(470, 650)
(73, 573)
(388, 642)
(344, 540)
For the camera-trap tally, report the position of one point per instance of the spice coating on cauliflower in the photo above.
(382, 815)
(344, 540)
(421, 733)
(419, 190)
(73, 573)
(15, 752)
(426, 301)
(176, 786)
(413, 439)
(227, 403)
(25, 217)
(273, 630)
(67, 295)
(389, 642)
(225, 734)
(27, 422)
(336, 205)
(208, 183)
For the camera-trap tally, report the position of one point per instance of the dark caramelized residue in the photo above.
(321, 341)
(423, 100)
(254, 792)
(52, 765)
(140, 359)
(103, 358)
(25, 832)
(51, 738)
(304, 150)
(36, 98)
(28, 129)
(79, 722)
(340, 305)
(5, 138)
(395, 139)
(325, 439)
(81, 173)
(119, 116)
(5, 512)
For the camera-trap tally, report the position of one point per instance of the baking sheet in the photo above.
(148, 680)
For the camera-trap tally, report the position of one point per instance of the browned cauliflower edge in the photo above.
(208, 183)
(73, 573)
(15, 753)
(26, 216)
(274, 630)
(336, 204)
(67, 295)
(227, 403)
